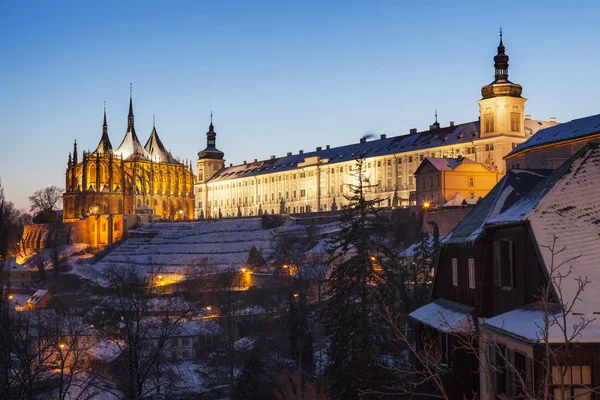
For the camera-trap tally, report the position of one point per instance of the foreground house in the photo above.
(491, 273)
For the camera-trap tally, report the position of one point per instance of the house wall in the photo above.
(436, 187)
(528, 275)
(550, 156)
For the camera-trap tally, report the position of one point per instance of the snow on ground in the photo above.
(179, 246)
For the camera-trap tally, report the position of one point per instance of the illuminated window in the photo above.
(489, 123)
(515, 122)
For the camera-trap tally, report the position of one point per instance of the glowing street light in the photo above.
(62, 346)
(208, 308)
(426, 205)
(244, 270)
(285, 266)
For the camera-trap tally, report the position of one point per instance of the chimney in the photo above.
(272, 157)
(319, 148)
(244, 162)
(363, 140)
(300, 151)
(528, 117)
(383, 136)
(289, 153)
(231, 164)
(327, 147)
(413, 131)
(553, 119)
(256, 160)
(451, 123)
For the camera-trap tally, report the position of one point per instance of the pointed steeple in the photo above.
(501, 86)
(131, 146)
(501, 62)
(75, 152)
(436, 124)
(211, 141)
(104, 146)
(155, 147)
(130, 118)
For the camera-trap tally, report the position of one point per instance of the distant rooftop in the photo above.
(414, 141)
(575, 129)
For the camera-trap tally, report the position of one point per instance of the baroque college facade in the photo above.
(317, 180)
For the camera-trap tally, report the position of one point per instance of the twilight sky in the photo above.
(279, 75)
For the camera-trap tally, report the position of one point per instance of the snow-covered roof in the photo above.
(450, 164)
(106, 350)
(566, 206)
(196, 328)
(459, 200)
(16, 267)
(37, 296)
(515, 184)
(445, 315)
(528, 323)
(575, 129)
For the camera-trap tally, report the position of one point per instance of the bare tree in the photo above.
(556, 332)
(141, 327)
(46, 200)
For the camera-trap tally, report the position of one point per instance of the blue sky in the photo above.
(279, 76)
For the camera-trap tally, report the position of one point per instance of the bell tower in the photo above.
(501, 109)
(210, 161)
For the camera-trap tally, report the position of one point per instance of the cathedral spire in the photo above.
(130, 116)
(104, 125)
(211, 135)
(75, 152)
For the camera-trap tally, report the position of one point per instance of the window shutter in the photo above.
(511, 263)
(471, 273)
(496, 264)
(454, 272)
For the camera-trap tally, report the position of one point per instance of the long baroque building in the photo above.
(131, 179)
(318, 180)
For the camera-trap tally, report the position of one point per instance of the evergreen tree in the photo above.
(350, 318)
(301, 341)
(252, 383)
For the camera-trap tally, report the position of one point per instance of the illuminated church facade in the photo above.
(318, 180)
(128, 180)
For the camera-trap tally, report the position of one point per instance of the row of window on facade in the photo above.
(503, 266)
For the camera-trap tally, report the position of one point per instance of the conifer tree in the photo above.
(350, 317)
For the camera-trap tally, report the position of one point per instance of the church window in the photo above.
(389, 162)
(399, 160)
(302, 193)
(295, 194)
(421, 157)
(287, 195)
(410, 159)
(294, 176)
(515, 122)
(272, 196)
(379, 163)
(489, 147)
(471, 182)
(302, 175)
(489, 123)
(514, 145)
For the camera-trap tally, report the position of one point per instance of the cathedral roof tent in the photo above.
(104, 146)
(156, 149)
(131, 146)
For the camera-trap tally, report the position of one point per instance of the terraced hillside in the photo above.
(176, 246)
